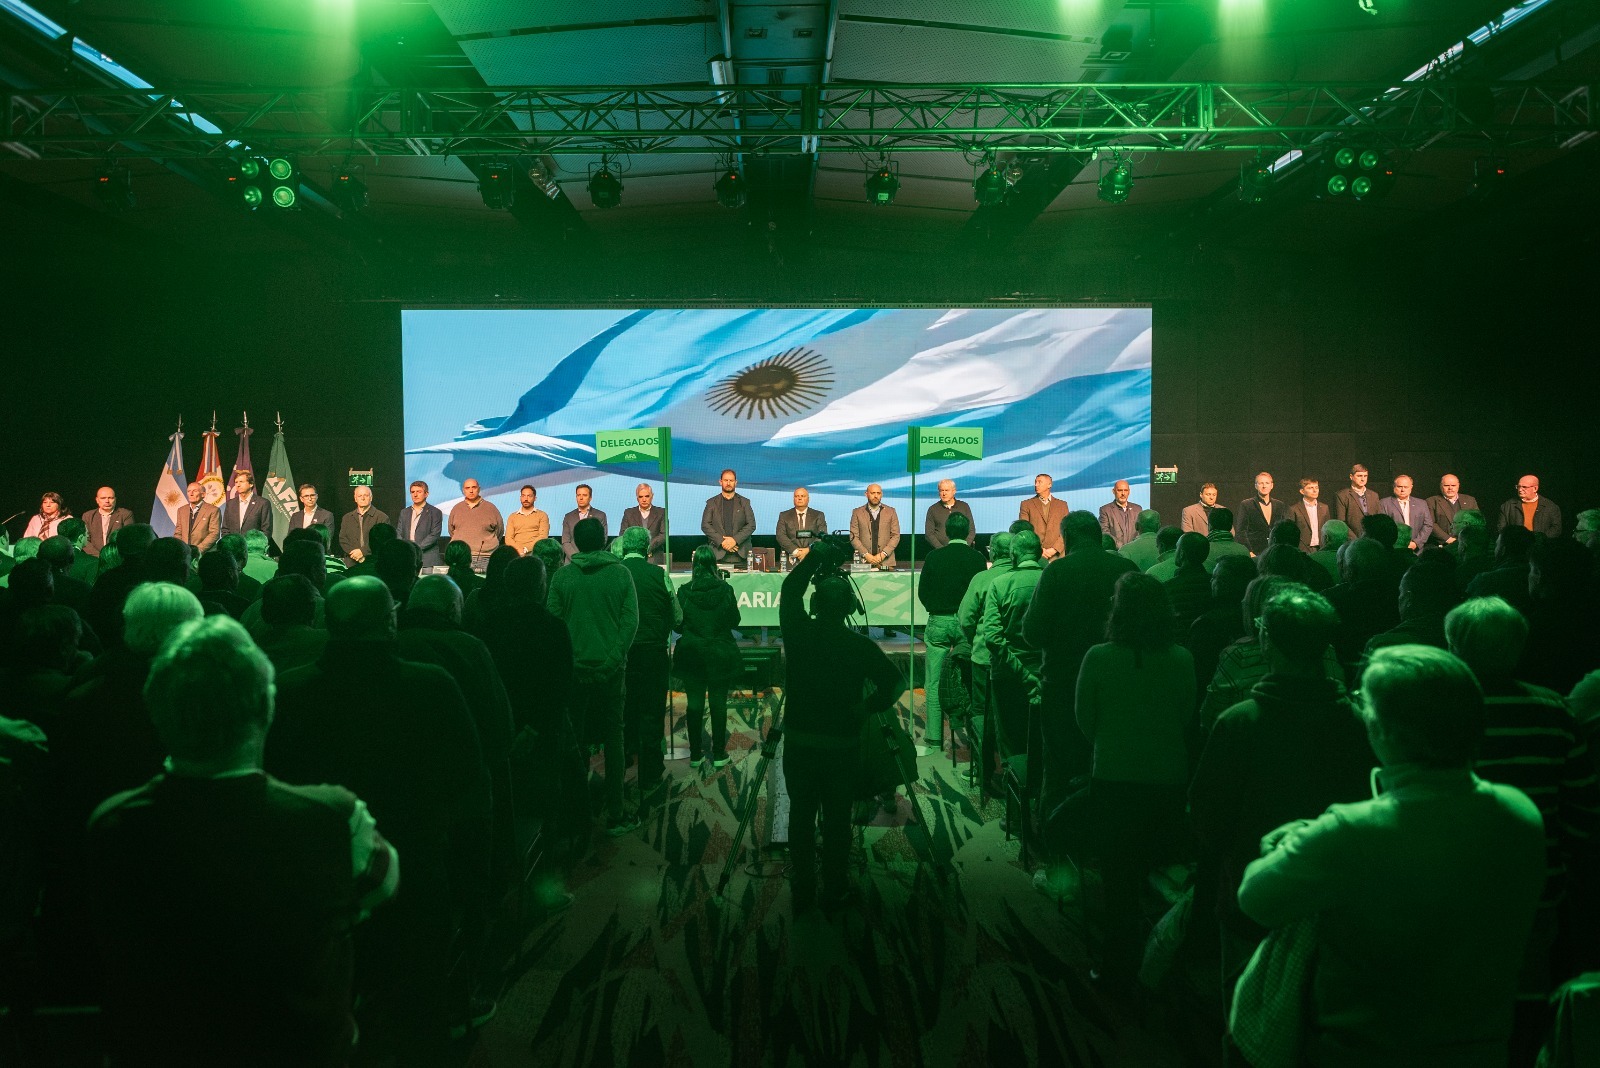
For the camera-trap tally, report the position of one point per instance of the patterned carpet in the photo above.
(949, 957)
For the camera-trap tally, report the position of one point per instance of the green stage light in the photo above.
(882, 185)
(249, 169)
(283, 196)
(280, 169)
(1338, 184)
(1344, 158)
(1369, 160)
(1117, 183)
(990, 187)
(252, 196)
(1360, 187)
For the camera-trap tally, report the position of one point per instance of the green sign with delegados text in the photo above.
(943, 443)
(649, 445)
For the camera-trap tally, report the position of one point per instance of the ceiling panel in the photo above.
(870, 52)
(633, 55)
(503, 16)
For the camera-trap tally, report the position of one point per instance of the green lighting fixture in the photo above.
(497, 186)
(252, 196)
(730, 188)
(605, 188)
(990, 187)
(882, 184)
(1117, 183)
(1255, 180)
(283, 196)
(1357, 170)
(281, 169)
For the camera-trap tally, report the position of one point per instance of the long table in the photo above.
(886, 595)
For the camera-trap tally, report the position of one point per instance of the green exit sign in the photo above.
(1165, 476)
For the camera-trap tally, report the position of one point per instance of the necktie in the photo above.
(1363, 499)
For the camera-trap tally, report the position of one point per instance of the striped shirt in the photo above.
(1531, 741)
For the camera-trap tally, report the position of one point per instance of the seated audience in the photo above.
(1143, 548)
(219, 584)
(1335, 533)
(1223, 623)
(236, 546)
(1222, 541)
(1563, 618)
(1427, 592)
(1367, 601)
(258, 566)
(288, 632)
(1508, 579)
(1244, 663)
(1189, 588)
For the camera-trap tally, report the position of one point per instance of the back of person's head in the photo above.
(458, 554)
(1261, 590)
(396, 563)
(307, 559)
(73, 529)
(1299, 624)
(1285, 532)
(1141, 613)
(360, 609)
(1362, 559)
(1221, 520)
(957, 526)
(1025, 546)
(1472, 539)
(1402, 535)
(57, 553)
(1558, 568)
(110, 557)
(550, 552)
(499, 560)
(134, 539)
(1513, 545)
(235, 546)
(1586, 529)
(1192, 550)
(1230, 578)
(1149, 521)
(219, 571)
(1427, 590)
(167, 560)
(153, 611)
(324, 534)
(48, 636)
(1285, 560)
(1335, 532)
(1000, 546)
(1422, 706)
(1080, 530)
(704, 560)
(1489, 635)
(288, 601)
(256, 542)
(32, 583)
(1468, 517)
(588, 535)
(526, 581)
(1167, 539)
(438, 594)
(1439, 556)
(1018, 526)
(833, 599)
(1107, 542)
(210, 691)
(636, 540)
(1381, 528)
(380, 535)
(301, 534)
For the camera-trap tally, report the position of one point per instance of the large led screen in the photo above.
(787, 397)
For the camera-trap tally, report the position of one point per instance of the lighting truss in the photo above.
(186, 121)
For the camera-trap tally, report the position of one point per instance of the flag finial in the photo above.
(279, 416)
(246, 417)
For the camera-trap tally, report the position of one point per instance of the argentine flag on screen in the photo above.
(820, 397)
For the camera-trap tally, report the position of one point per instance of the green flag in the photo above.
(281, 492)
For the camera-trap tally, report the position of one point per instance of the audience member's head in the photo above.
(499, 560)
(1284, 532)
(48, 636)
(134, 539)
(380, 535)
(458, 556)
(1380, 528)
(302, 534)
(395, 562)
(1167, 540)
(550, 552)
(57, 553)
(1559, 568)
(833, 599)
(1422, 706)
(219, 571)
(1297, 626)
(1513, 546)
(74, 531)
(235, 546)
(1149, 521)
(704, 561)
(360, 609)
(324, 534)
(306, 558)
(1468, 517)
(1402, 535)
(1285, 560)
(1363, 559)
(210, 694)
(1141, 613)
(256, 542)
(32, 584)
(1256, 595)
(1192, 550)
(152, 612)
(526, 581)
(1000, 546)
(25, 549)
(110, 559)
(1230, 578)
(1018, 526)
(958, 526)
(288, 601)
(1586, 531)
(437, 594)
(588, 538)
(1221, 520)
(1081, 530)
(636, 540)
(166, 560)
(1472, 540)
(1489, 636)
(1025, 546)
(1335, 532)
(1427, 591)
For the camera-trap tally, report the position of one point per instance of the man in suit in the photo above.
(356, 527)
(799, 526)
(1352, 506)
(1045, 513)
(939, 513)
(245, 510)
(728, 521)
(654, 520)
(1531, 511)
(1254, 519)
(875, 530)
(1120, 517)
(1444, 508)
(1309, 513)
(584, 495)
(1404, 508)
(310, 515)
(423, 525)
(106, 518)
(1197, 517)
(198, 522)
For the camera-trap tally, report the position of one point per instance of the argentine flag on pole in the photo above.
(171, 489)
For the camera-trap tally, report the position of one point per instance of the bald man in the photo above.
(799, 526)
(1120, 518)
(477, 522)
(1531, 511)
(106, 517)
(1449, 503)
(875, 530)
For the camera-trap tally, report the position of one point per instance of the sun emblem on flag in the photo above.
(785, 384)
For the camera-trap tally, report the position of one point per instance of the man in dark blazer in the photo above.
(198, 523)
(1045, 513)
(1352, 506)
(645, 514)
(584, 494)
(423, 524)
(355, 529)
(1255, 516)
(1408, 510)
(1444, 508)
(309, 514)
(1120, 517)
(728, 521)
(799, 527)
(245, 510)
(940, 511)
(105, 519)
(1309, 513)
(1531, 511)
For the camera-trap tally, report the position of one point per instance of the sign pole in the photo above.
(913, 465)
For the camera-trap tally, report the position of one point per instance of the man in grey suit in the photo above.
(584, 495)
(940, 511)
(1444, 508)
(875, 530)
(1120, 518)
(728, 521)
(1197, 517)
(1309, 513)
(800, 526)
(651, 518)
(1407, 509)
(198, 522)
(105, 519)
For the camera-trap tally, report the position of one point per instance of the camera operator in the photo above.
(829, 667)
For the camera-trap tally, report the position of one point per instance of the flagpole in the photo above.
(911, 705)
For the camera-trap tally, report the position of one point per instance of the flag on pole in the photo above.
(171, 488)
(210, 476)
(280, 491)
(242, 461)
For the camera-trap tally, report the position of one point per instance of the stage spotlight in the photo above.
(282, 182)
(247, 178)
(605, 188)
(1255, 180)
(497, 187)
(1357, 171)
(990, 187)
(883, 183)
(349, 191)
(1117, 183)
(730, 189)
(113, 185)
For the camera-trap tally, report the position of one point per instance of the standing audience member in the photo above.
(1142, 548)
(1189, 588)
(1166, 564)
(1221, 538)
(1223, 623)
(258, 567)
(1366, 601)
(1508, 579)
(288, 631)
(1427, 592)
(1014, 661)
(234, 947)
(968, 616)
(1563, 618)
(943, 583)
(219, 584)
(237, 547)
(458, 564)
(1334, 535)
(707, 658)
(646, 683)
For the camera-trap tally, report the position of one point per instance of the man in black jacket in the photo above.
(1257, 514)
(645, 696)
(941, 586)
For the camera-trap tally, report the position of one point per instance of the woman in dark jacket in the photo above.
(707, 659)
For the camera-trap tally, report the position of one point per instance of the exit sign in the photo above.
(1165, 476)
